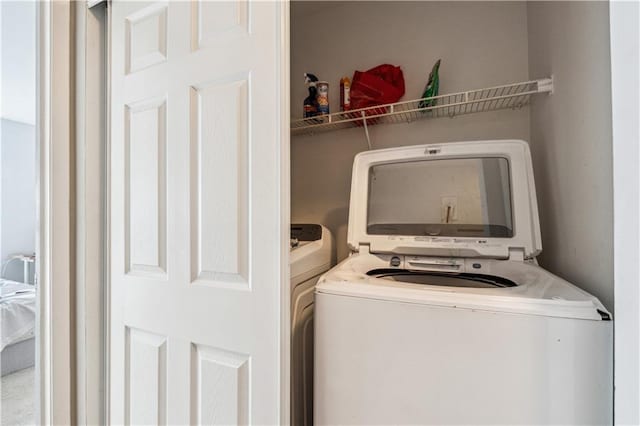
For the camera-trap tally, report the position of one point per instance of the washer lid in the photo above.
(465, 199)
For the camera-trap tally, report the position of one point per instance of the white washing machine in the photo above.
(311, 255)
(441, 314)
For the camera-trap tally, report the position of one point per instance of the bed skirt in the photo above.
(18, 356)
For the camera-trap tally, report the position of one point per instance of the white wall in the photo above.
(625, 82)
(571, 142)
(481, 44)
(18, 70)
(17, 132)
(18, 189)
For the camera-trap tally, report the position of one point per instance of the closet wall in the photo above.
(481, 44)
(571, 141)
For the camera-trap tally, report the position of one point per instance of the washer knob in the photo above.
(395, 261)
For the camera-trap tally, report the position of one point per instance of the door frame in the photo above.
(284, 85)
(55, 200)
(625, 88)
(71, 147)
(91, 158)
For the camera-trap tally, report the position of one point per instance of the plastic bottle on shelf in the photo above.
(345, 94)
(310, 103)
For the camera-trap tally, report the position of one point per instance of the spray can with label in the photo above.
(311, 102)
(323, 97)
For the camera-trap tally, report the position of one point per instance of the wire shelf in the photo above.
(513, 96)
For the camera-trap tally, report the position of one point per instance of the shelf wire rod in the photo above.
(494, 104)
(366, 129)
(500, 104)
(492, 94)
(500, 101)
(513, 92)
(519, 101)
(482, 104)
(473, 103)
(524, 100)
(486, 106)
(522, 89)
(516, 102)
(480, 101)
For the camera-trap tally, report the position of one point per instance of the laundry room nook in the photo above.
(454, 160)
(320, 212)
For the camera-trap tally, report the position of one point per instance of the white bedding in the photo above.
(17, 312)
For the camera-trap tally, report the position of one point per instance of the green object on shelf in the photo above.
(432, 87)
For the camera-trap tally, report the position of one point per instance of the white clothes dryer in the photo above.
(311, 255)
(441, 314)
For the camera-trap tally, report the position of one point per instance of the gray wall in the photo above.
(18, 64)
(18, 192)
(481, 44)
(571, 141)
(17, 132)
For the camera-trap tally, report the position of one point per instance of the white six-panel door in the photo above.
(195, 213)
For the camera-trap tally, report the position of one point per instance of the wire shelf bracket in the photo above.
(510, 96)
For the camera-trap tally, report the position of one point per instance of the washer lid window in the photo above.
(468, 199)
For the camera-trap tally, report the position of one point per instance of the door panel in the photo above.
(145, 192)
(220, 184)
(213, 23)
(222, 382)
(146, 375)
(195, 213)
(146, 37)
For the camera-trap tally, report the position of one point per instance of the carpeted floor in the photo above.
(17, 406)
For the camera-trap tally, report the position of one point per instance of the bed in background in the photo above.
(17, 325)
